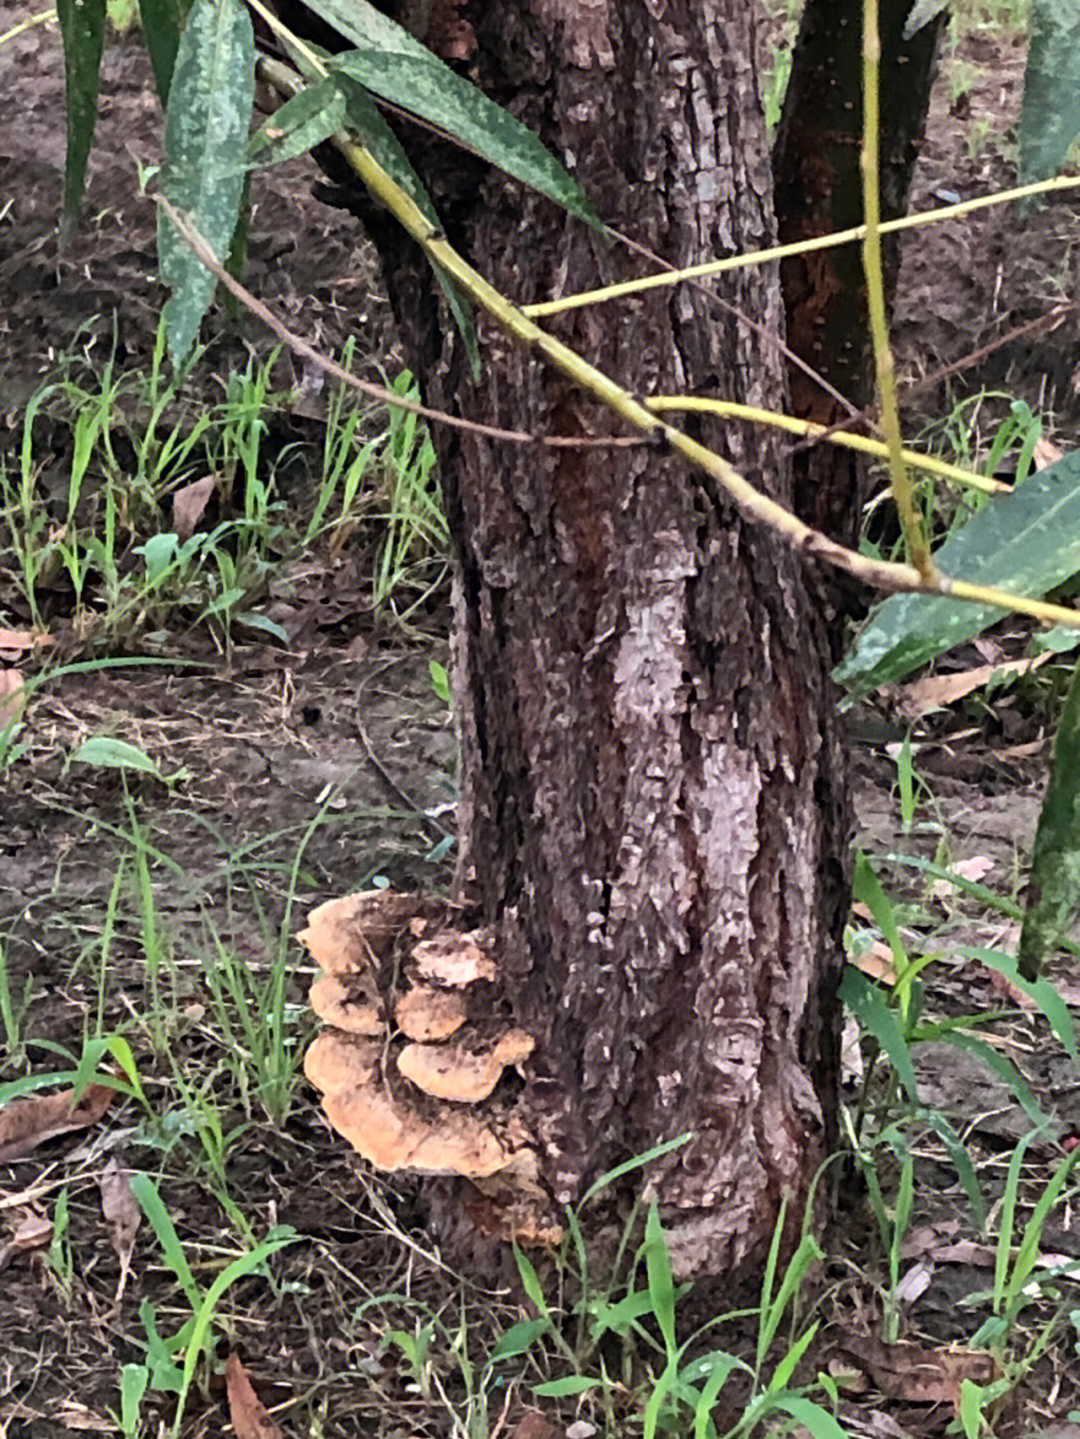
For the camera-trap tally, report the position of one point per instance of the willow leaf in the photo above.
(206, 128)
(1027, 541)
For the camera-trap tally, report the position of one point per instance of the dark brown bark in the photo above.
(652, 814)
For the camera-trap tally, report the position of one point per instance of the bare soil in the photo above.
(265, 736)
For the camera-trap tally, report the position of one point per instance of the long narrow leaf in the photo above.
(306, 120)
(1050, 120)
(162, 21)
(82, 26)
(386, 148)
(1027, 542)
(1041, 991)
(206, 129)
(661, 1283)
(1055, 862)
(870, 1008)
(426, 87)
(393, 64)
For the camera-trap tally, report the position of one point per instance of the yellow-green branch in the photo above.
(665, 278)
(807, 429)
(914, 538)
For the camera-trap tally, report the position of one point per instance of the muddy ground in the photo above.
(270, 739)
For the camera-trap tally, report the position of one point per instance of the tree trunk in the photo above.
(652, 815)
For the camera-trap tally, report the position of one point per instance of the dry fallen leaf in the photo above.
(249, 1419)
(30, 1230)
(1046, 453)
(12, 697)
(188, 504)
(877, 963)
(122, 1214)
(26, 1123)
(934, 692)
(1004, 986)
(81, 1419)
(917, 1375)
(533, 1425)
(976, 868)
(14, 643)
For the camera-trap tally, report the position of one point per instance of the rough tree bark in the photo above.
(652, 814)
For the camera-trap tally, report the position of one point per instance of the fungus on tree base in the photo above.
(351, 934)
(400, 1104)
(424, 1013)
(453, 959)
(353, 1007)
(464, 1075)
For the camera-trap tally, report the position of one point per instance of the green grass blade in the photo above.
(870, 1008)
(82, 26)
(628, 1166)
(1027, 542)
(1054, 886)
(961, 1159)
(1041, 991)
(206, 128)
(661, 1282)
(818, 1422)
(160, 1221)
(206, 1310)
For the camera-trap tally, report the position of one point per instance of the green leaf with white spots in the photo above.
(386, 149)
(206, 129)
(1027, 542)
(303, 122)
(163, 23)
(1050, 119)
(394, 65)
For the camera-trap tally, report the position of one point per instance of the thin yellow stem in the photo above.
(801, 247)
(44, 18)
(807, 429)
(914, 538)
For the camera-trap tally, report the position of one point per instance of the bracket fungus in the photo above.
(410, 1067)
(353, 1007)
(426, 1014)
(457, 1073)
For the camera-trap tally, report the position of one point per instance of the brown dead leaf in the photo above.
(877, 963)
(1004, 986)
(934, 692)
(533, 1425)
(30, 1230)
(122, 1214)
(12, 697)
(976, 868)
(916, 1375)
(1046, 453)
(249, 1419)
(81, 1419)
(15, 643)
(26, 1123)
(188, 504)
